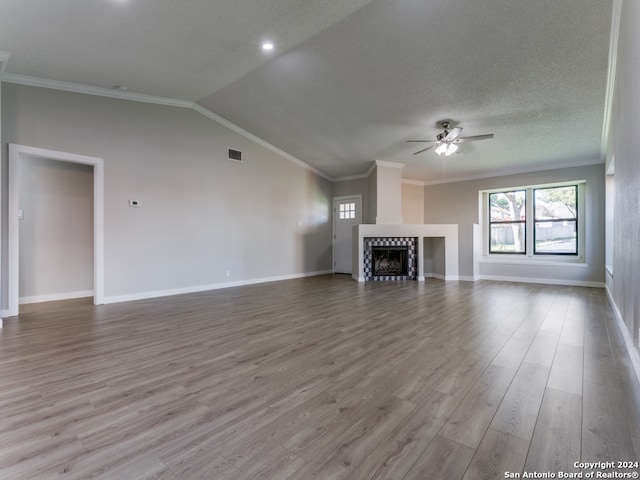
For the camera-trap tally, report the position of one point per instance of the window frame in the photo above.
(529, 256)
(508, 222)
(346, 210)
(576, 220)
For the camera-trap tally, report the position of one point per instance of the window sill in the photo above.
(543, 262)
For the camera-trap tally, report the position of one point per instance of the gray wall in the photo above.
(623, 148)
(355, 187)
(201, 215)
(56, 233)
(412, 203)
(412, 198)
(458, 203)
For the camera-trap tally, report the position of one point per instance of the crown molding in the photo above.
(371, 169)
(419, 183)
(383, 163)
(616, 15)
(97, 91)
(348, 178)
(361, 176)
(516, 171)
(156, 100)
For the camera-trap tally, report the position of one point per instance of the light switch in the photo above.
(20, 214)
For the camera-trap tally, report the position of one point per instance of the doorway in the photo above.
(347, 212)
(18, 154)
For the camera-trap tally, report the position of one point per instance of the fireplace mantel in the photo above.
(447, 232)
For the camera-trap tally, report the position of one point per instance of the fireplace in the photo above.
(390, 258)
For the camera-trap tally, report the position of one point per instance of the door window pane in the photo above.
(347, 211)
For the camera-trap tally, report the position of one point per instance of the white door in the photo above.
(347, 212)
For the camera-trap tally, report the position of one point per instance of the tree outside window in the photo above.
(507, 222)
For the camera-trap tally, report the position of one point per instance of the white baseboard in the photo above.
(203, 288)
(547, 281)
(434, 275)
(55, 297)
(439, 276)
(465, 278)
(633, 354)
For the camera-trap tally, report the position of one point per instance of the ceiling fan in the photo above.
(446, 141)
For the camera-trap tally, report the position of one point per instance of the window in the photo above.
(347, 211)
(507, 222)
(537, 220)
(556, 220)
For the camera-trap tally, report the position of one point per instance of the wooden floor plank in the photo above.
(470, 420)
(499, 454)
(556, 442)
(444, 459)
(567, 369)
(518, 411)
(395, 456)
(605, 431)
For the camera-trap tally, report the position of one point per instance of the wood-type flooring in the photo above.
(319, 378)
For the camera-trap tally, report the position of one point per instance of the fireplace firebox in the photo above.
(390, 260)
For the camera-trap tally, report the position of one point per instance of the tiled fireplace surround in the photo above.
(411, 243)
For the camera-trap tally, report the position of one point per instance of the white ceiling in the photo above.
(349, 80)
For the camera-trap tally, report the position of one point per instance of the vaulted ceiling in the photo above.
(348, 80)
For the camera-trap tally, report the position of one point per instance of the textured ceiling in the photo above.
(350, 80)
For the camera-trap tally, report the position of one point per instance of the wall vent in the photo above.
(235, 155)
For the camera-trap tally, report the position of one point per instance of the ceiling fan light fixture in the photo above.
(451, 149)
(441, 149)
(446, 141)
(446, 149)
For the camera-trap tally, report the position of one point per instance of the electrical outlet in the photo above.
(134, 203)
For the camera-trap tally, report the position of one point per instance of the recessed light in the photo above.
(267, 46)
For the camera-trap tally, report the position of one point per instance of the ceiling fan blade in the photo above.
(422, 141)
(473, 138)
(423, 150)
(453, 133)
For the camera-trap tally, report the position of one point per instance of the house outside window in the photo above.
(556, 220)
